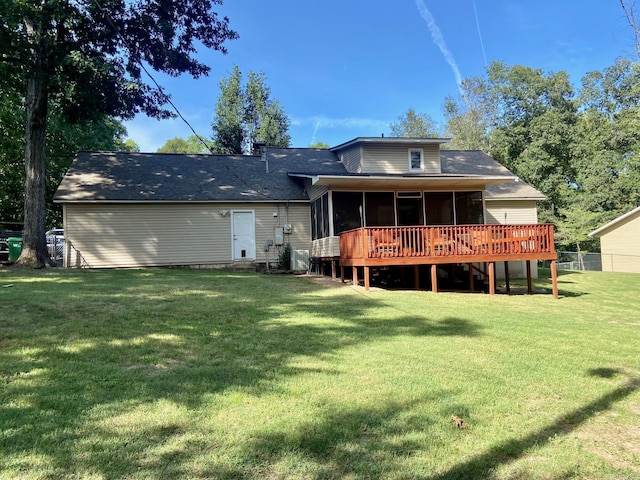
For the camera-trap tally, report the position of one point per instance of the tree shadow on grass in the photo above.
(483, 465)
(375, 441)
(81, 343)
(357, 442)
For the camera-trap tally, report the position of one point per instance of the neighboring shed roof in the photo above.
(615, 223)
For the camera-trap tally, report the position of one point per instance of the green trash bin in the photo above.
(15, 248)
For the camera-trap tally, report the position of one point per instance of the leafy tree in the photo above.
(320, 145)
(128, 145)
(414, 125)
(470, 117)
(607, 148)
(247, 114)
(228, 128)
(582, 151)
(535, 129)
(11, 155)
(63, 142)
(574, 225)
(89, 58)
(634, 21)
(193, 144)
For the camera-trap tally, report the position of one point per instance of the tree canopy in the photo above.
(193, 144)
(64, 140)
(246, 114)
(89, 58)
(580, 148)
(320, 145)
(414, 125)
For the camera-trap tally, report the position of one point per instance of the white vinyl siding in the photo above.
(315, 191)
(513, 212)
(350, 158)
(139, 235)
(393, 159)
(619, 247)
(326, 247)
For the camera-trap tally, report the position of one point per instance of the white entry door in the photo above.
(243, 234)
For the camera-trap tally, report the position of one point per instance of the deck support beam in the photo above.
(554, 279)
(366, 278)
(354, 271)
(333, 269)
(341, 273)
(434, 278)
(529, 284)
(416, 277)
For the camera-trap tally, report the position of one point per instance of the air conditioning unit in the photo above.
(299, 260)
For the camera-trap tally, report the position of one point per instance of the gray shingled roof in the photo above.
(476, 162)
(124, 177)
(109, 176)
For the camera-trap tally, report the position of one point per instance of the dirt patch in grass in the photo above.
(324, 280)
(617, 444)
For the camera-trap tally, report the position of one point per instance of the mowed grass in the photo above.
(205, 374)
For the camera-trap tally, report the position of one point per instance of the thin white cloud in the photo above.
(438, 39)
(347, 122)
(346, 127)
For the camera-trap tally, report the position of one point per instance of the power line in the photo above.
(168, 98)
(148, 73)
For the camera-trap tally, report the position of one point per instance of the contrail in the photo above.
(484, 54)
(438, 39)
(315, 130)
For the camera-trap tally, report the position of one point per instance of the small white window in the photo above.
(416, 160)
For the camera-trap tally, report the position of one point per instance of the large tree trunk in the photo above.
(34, 246)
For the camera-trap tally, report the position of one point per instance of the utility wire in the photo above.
(168, 99)
(148, 73)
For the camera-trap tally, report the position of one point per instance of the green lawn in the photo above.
(206, 374)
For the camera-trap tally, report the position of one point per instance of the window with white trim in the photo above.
(416, 160)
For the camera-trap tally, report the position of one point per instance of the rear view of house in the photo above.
(368, 203)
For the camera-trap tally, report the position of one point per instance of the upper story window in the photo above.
(416, 160)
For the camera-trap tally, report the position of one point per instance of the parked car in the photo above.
(55, 243)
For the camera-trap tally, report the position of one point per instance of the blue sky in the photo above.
(348, 68)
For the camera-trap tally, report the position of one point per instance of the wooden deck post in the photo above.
(506, 277)
(554, 279)
(333, 269)
(341, 273)
(492, 278)
(434, 278)
(529, 284)
(471, 286)
(355, 275)
(416, 277)
(366, 278)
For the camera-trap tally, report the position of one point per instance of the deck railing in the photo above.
(447, 241)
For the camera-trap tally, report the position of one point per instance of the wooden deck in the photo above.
(452, 244)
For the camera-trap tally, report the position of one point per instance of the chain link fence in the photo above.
(596, 262)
